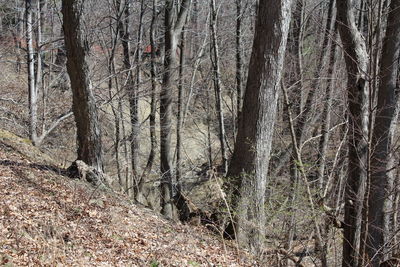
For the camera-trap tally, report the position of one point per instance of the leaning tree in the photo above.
(83, 104)
(249, 165)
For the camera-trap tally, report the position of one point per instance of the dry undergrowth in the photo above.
(47, 219)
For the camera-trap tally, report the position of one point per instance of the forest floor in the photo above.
(47, 219)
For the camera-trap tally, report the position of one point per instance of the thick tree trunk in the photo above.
(356, 59)
(174, 19)
(83, 104)
(166, 96)
(249, 164)
(385, 113)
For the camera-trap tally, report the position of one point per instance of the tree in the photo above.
(249, 165)
(35, 83)
(83, 101)
(356, 58)
(214, 55)
(33, 93)
(174, 20)
(381, 140)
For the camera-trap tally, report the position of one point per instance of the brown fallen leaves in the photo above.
(49, 220)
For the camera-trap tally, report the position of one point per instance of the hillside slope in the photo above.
(46, 219)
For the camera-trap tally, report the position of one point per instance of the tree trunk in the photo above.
(239, 82)
(385, 111)
(217, 85)
(356, 59)
(152, 117)
(180, 113)
(249, 164)
(174, 20)
(124, 34)
(33, 92)
(134, 103)
(83, 101)
(112, 73)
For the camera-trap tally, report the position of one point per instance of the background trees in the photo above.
(165, 82)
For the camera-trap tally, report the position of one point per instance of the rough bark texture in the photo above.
(356, 59)
(379, 187)
(84, 104)
(249, 165)
(174, 19)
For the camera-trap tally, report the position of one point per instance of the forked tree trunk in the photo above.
(83, 101)
(174, 19)
(249, 166)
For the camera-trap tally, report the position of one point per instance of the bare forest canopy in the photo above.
(271, 122)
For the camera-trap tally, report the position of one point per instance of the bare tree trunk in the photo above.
(83, 104)
(323, 144)
(112, 73)
(33, 92)
(385, 113)
(326, 113)
(180, 113)
(152, 117)
(323, 148)
(174, 19)
(239, 93)
(39, 78)
(35, 77)
(217, 85)
(249, 164)
(209, 121)
(124, 34)
(19, 32)
(356, 59)
(134, 102)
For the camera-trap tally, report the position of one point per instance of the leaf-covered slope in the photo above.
(47, 219)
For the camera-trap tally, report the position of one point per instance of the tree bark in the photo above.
(239, 63)
(249, 164)
(33, 92)
(218, 85)
(385, 113)
(83, 101)
(356, 59)
(174, 19)
(180, 113)
(134, 102)
(153, 108)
